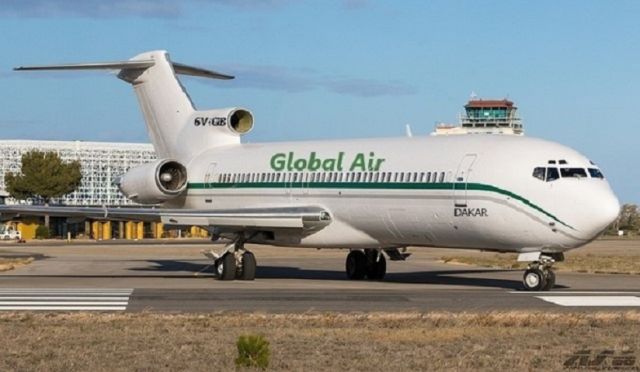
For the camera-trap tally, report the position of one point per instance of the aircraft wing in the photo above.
(305, 218)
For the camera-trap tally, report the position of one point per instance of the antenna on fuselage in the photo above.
(408, 130)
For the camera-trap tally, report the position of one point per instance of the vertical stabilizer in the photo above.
(164, 103)
(176, 129)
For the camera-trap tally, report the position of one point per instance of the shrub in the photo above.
(253, 351)
(42, 232)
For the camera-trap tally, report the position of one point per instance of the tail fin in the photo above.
(173, 123)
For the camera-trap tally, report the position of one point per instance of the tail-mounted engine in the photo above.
(154, 183)
(238, 121)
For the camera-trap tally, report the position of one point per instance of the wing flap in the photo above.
(306, 218)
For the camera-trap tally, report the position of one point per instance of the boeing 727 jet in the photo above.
(374, 197)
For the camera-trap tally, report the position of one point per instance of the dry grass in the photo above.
(311, 342)
(7, 264)
(584, 263)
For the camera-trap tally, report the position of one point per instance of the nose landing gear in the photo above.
(539, 275)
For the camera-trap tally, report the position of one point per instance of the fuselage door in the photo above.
(461, 180)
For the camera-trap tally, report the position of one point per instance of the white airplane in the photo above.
(374, 197)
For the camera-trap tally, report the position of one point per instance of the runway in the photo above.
(177, 278)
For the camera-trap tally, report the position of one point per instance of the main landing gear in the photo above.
(369, 263)
(235, 262)
(539, 275)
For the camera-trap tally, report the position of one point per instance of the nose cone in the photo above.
(606, 209)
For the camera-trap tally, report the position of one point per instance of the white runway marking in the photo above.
(64, 299)
(573, 292)
(592, 300)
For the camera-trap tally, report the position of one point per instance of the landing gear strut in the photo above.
(539, 276)
(369, 263)
(235, 262)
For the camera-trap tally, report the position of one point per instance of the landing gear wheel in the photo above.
(551, 280)
(376, 268)
(356, 265)
(248, 271)
(534, 279)
(226, 267)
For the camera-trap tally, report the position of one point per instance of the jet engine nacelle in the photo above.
(236, 120)
(154, 183)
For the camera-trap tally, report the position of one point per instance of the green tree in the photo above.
(628, 220)
(43, 176)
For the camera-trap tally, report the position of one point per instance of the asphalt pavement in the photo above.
(178, 278)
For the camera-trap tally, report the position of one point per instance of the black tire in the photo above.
(551, 280)
(226, 267)
(248, 266)
(356, 265)
(377, 269)
(534, 280)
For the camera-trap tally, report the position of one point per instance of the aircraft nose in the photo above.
(607, 209)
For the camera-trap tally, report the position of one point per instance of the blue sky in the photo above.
(342, 68)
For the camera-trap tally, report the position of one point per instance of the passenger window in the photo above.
(552, 174)
(441, 177)
(595, 173)
(539, 173)
(573, 173)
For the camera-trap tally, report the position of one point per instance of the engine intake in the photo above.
(241, 121)
(154, 183)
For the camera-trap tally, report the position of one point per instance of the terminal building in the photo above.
(100, 163)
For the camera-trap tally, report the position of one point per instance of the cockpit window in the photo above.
(595, 173)
(539, 173)
(552, 174)
(573, 173)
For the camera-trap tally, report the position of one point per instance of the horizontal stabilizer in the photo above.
(179, 68)
(91, 66)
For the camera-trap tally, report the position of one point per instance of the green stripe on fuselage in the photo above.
(374, 186)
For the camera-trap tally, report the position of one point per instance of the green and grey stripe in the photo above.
(376, 186)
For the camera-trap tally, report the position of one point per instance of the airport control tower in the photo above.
(485, 117)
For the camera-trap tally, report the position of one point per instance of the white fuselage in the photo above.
(482, 191)
(467, 191)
